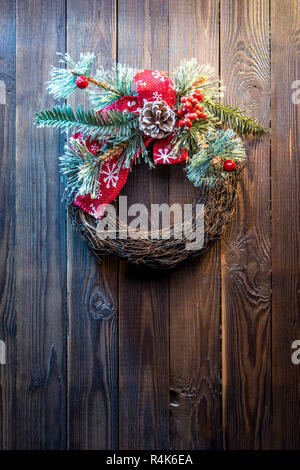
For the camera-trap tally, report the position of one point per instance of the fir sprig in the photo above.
(190, 76)
(135, 149)
(120, 81)
(188, 138)
(220, 145)
(81, 169)
(234, 118)
(62, 83)
(111, 124)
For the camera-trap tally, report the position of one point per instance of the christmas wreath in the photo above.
(185, 122)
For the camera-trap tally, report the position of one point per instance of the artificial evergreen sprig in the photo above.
(190, 76)
(133, 152)
(111, 124)
(81, 169)
(234, 118)
(63, 81)
(112, 85)
(188, 138)
(214, 148)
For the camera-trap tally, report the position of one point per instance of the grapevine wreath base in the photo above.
(163, 253)
(143, 116)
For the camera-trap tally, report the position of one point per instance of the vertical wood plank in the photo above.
(285, 66)
(40, 236)
(7, 217)
(143, 43)
(246, 260)
(93, 289)
(195, 413)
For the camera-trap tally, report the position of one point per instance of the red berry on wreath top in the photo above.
(229, 165)
(199, 95)
(81, 81)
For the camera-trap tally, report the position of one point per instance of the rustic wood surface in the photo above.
(92, 289)
(114, 357)
(246, 257)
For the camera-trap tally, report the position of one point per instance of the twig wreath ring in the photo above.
(184, 120)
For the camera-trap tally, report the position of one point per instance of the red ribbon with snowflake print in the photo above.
(151, 85)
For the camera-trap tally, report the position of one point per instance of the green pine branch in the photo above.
(113, 124)
(234, 118)
(112, 85)
(135, 149)
(62, 80)
(81, 169)
(222, 144)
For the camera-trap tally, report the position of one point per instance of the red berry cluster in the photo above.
(191, 109)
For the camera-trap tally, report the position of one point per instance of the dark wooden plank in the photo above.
(93, 289)
(245, 71)
(40, 236)
(195, 413)
(285, 48)
(7, 214)
(143, 42)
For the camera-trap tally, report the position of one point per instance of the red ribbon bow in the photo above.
(151, 86)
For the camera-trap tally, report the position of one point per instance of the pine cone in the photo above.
(156, 119)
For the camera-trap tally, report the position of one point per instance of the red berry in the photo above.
(195, 101)
(188, 104)
(181, 122)
(203, 115)
(180, 112)
(183, 99)
(229, 165)
(198, 112)
(189, 123)
(81, 81)
(199, 107)
(191, 116)
(199, 95)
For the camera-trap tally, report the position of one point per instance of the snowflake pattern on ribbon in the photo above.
(159, 75)
(157, 96)
(111, 175)
(165, 155)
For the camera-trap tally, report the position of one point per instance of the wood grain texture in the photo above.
(144, 308)
(93, 289)
(110, 356)
(285, 48)
(40, 237)
(195, 413)
(7, 224)
(246, 259)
